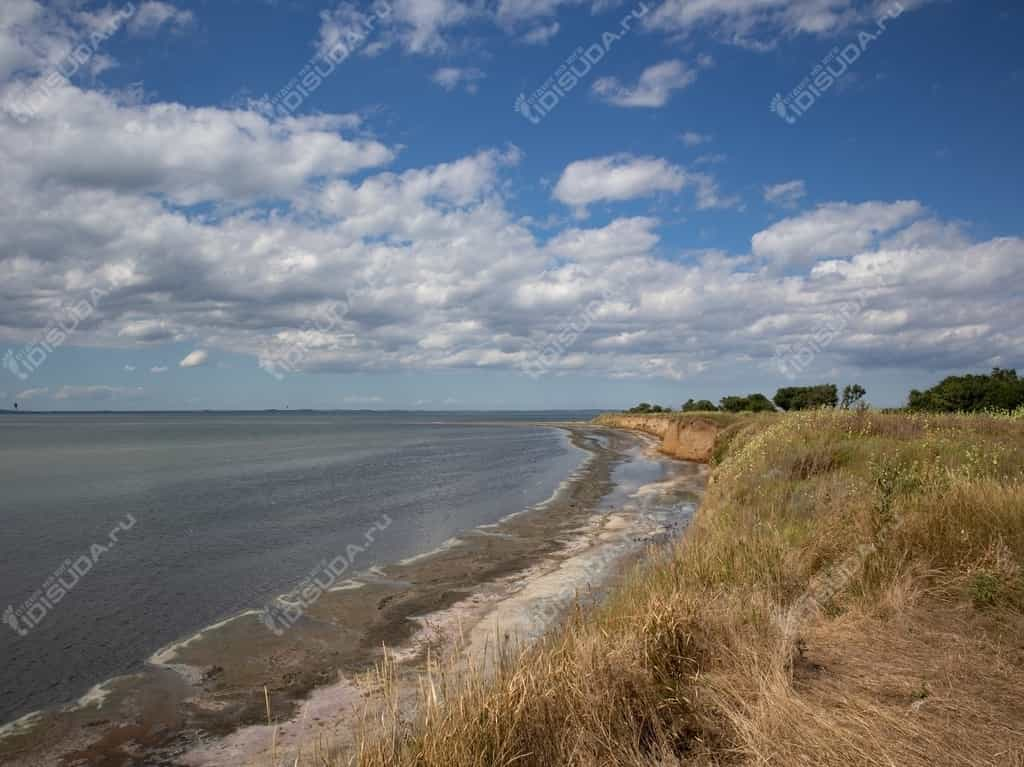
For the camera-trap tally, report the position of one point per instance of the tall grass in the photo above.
(850, 592)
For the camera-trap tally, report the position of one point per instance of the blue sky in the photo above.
(400, 236)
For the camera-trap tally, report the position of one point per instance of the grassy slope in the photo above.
(849, 593)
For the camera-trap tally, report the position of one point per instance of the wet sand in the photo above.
(202, 701)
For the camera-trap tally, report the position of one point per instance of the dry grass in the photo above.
(850, 592)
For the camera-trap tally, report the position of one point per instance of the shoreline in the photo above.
(197, 703)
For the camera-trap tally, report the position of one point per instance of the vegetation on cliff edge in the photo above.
(850, 592)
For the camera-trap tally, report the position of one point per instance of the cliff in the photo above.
(850, 579)
(687, 437)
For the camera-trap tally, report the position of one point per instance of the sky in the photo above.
(504, 204)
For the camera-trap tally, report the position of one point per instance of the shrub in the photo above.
(806, 397)
(646, 407)
(754, 403)
(700, 406)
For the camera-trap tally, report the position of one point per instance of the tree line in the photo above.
(787, 398)
(1002, 389)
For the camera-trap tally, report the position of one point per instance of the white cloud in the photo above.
(86, 140)
(195, 359)
(97, 393)
(616, 177)
(421, 25)
(157, 369)
(619, 239)
(152, 15)
(149, 330)
(37, 37)
(129, 368)
(692, 138)
(541, 35)
(440, 272)
(831, 230)
(451, 78)
(787, 194)
(760, 24)
(348, 27)
(625, 177)
(653, 89)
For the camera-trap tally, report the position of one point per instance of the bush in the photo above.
(754, 403)
(700, 406)
(1001, 390)
(647, 407)
(806, 397)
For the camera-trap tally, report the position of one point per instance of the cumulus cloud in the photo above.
(88, 141)
(432, 268)
(97, 393)
(621, 238)
(626, 177)
(616, 177)
(833, 229)
(653, 89)
(451, 78)
(35, 37)
(195, 359)
(787, 194)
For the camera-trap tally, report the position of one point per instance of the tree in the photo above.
(806, 397)
(647, 407)
(1000, 390)
(756, 403)
(852, 394)
(700, 406)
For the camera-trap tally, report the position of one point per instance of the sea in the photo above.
(121, 533)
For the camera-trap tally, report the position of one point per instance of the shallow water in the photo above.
(227, 511)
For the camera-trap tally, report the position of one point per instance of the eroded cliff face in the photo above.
(689, 438)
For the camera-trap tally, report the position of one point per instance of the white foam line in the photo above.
(449, 544)
(20, 725)
(94, 696)
(164, 655)
(348, 585)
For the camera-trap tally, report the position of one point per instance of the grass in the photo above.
(850, 592)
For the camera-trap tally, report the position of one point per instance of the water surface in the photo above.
(229, 510)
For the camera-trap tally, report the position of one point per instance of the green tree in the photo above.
(852, 394)
(700, 406)
(806, 397)
(1000, 390)
(756, 403)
